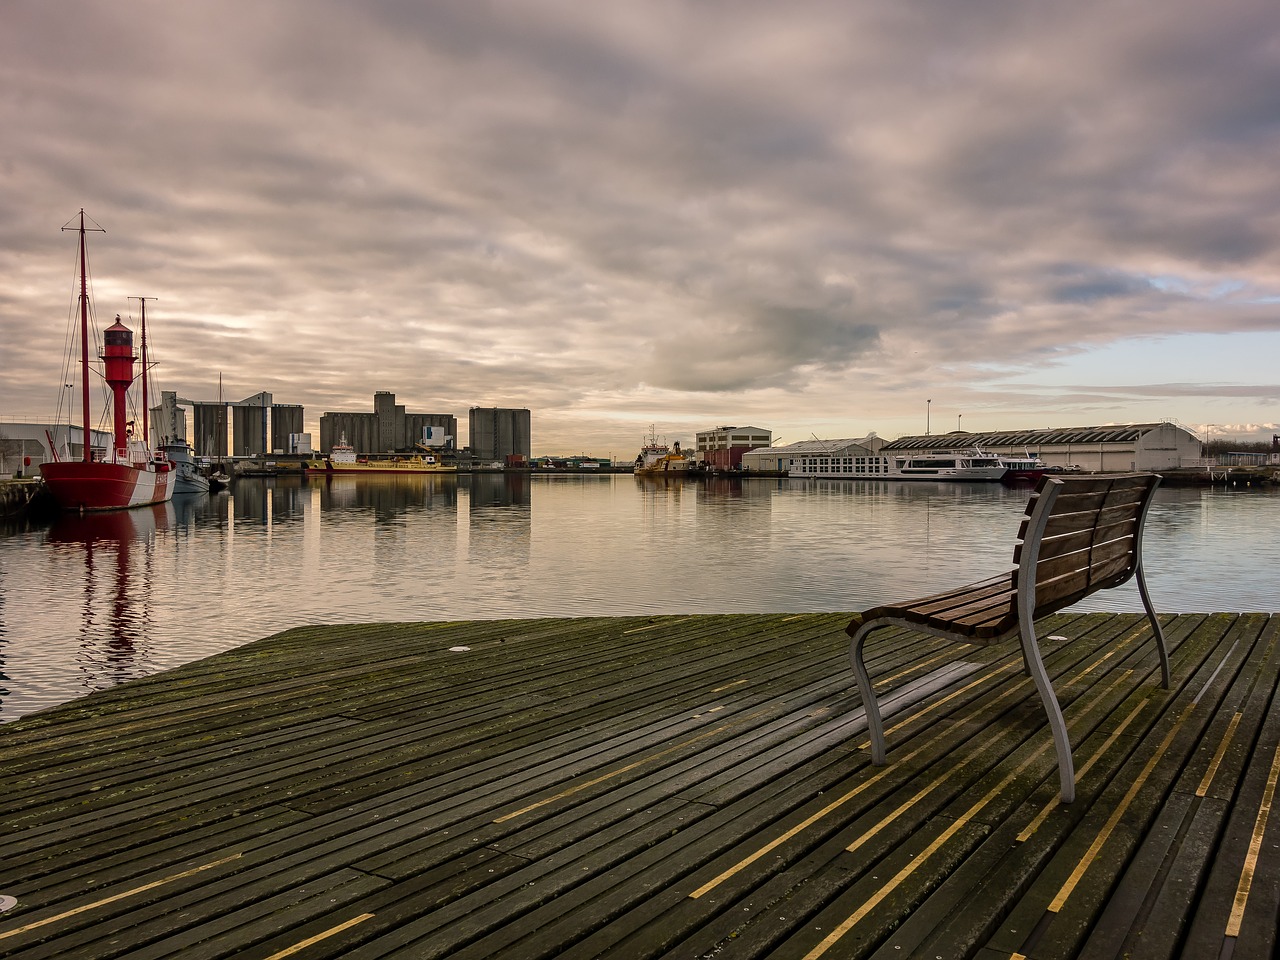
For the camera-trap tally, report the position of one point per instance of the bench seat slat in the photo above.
(978, 610)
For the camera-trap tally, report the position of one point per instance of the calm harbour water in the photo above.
(86, 603)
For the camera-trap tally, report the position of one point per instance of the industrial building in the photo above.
(254, 426)
(388, 429)
(499, 434)
(1116, 447)
(724, 447)
(24, 446)
(781, 459)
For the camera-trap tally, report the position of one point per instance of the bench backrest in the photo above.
(1082, 534)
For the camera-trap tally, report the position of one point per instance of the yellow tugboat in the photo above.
(342, 459)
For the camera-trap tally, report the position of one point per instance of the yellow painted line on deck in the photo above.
(85, 908)
(332, 931)
(914, 668)
(921, 859)
(1209, 774)
(1236, 919)
(913, 716)
(841, 801)
(649, 758)
(1121, 809)
(1029, 830)
(903, 808)
(951, 773)
(797, 829)
(836, 804)
(825, 811)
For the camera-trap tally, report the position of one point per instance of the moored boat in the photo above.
(951, 466)
(343, 459)
(973, 466)
(188, 478)
(128, 474)
(660, 460)
(1023, 469)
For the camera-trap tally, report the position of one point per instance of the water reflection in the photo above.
(499, 490)
(89, 601)
(4, 637)
(280, 501)
(499, 534)
(117, 551)
(387, 496)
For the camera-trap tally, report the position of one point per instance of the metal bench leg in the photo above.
(874, 725)
(1061, 744)
(1155, 627)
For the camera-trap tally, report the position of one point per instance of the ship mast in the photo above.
(146, 375)
(84, 337)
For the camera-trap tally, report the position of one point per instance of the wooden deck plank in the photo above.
(650, 787)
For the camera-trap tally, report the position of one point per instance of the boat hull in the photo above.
(365, 469)
(187, 478)
(76, 485)
(668, 468)
(1015, 478)
(953, 475)
(189, 482)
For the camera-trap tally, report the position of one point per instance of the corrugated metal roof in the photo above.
(1127, 433)
(814, 446)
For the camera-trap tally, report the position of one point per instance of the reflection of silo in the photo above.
(497, 432)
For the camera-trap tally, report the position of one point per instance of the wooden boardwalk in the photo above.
(673, 787)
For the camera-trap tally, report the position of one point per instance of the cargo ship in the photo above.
(342, 459)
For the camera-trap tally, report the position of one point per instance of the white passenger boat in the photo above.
(961, 466)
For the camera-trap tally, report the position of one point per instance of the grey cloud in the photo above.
(621, 207)
(1089, 284)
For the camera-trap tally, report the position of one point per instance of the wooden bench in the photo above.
(1079, 535)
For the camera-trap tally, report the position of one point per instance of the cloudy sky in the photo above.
(823, 218)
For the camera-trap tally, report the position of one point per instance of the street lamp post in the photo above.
(928, 409)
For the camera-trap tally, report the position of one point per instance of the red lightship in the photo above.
(129, 474)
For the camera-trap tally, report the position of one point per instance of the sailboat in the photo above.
(129, 474)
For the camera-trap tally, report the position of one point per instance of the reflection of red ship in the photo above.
(129, 474)
(118, 552)
(117, 529)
